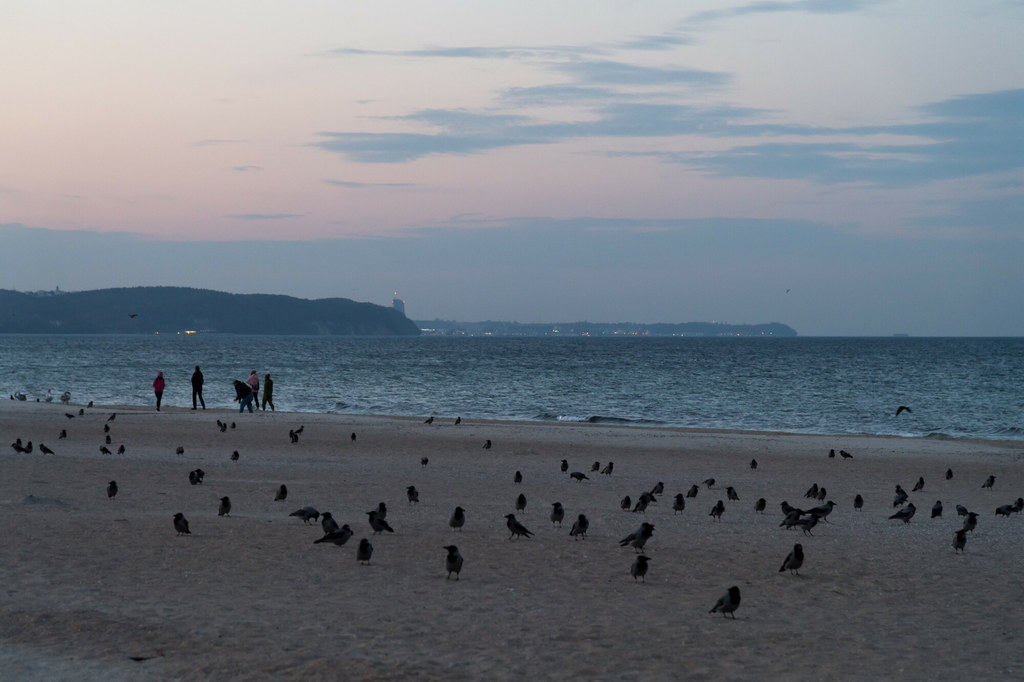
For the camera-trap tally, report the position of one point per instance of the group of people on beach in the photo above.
(246, 392)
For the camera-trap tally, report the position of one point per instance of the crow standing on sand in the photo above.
(328, 524)
(557, 513)
(959, 540)
(678, 503)
(728, 603)
(518, 478)
(377, 523)
(515, 528)
(307, 514)
(364, 552)
(338, 537)
(412, 494)
(638, 538)
(225, 506)
(692, 492)
(858, 502)
(453, 561)
(565, 466)
(937, 509)
(639, 568)
(906, 513)
(181, 524)
(579, 528)
(282, 493)
(521, 503)
(458, 519)
(112, 489)
(607, 471)
(718, 510)
(794, 561)
(989, 482)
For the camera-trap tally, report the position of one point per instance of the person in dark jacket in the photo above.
(268, 393)
(197, 388)
(243, 394)
(158, 388)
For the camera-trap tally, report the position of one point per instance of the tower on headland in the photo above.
(398, 304)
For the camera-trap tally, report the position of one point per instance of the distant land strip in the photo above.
(491, 328)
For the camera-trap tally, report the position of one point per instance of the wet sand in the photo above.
(90, 582)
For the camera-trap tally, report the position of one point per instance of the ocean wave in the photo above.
(597, 419)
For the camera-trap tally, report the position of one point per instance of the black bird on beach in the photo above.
(845, 455)
(949, 474)
(961, 510)
(282, 493)
(353, 436)
(307, 514)
(181, 524)
(901, 497)
(959, 540)
(638, 538)
(424, 461)
(112, 490)
(658, 489)
(1006, 510)
(718, 510)
(17, 446)
(487, 444)
(222, 426)
(753, 464)
(728, 603)
(112, 417)
(382, 510)
(641, 503)
(760, 505)
(808, 523)
(518, 478)
(937, 509)
(858, 502)
(692, 492)
(919, 485)
(364, 552)
(45, 450)
(596, 466)
(430, 420)
(69, 415)
(822, 511)
(179, 450)
(971, 522)
(557, 514)
(412, 494)
(338, 537)
(293, 436)
(225, 506)
(639, 568)
(903, 408)
(794, 561)
(105, 450)
(521, 503)
(63, 434)
(106, 428)
(193, 478)
(453, 561)
(515, 528)
(989, 482)
(607, 471)
(235, 455)
(579, 476)
(120, 449)
(832, 454)
(579, 527)
(458, 519)
(709, 482)
(378, 524)
(458, 420)
(906, 513)
(565, 466)
(730, 492)
(625, 503)
(28, 448)
(328, 524)
(678, 503)
(812, 492)
(107, 439)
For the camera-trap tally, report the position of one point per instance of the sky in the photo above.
(847, 167)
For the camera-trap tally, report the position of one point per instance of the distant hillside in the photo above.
(450, 327)
(149, 310)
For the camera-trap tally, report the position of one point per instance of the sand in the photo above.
(91, 584)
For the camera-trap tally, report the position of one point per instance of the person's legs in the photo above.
(194, 398)
(201, 401)
(159, 395)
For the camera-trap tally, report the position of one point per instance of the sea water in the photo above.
(960, 388)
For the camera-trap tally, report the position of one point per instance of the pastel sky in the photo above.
(848, 167)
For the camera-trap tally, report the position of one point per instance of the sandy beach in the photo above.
(98, 588)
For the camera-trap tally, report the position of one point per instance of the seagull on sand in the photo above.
(794, 561)
(728, 603)
(453, 562)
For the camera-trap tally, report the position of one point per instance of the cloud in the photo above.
(365, 185)
(769, 7)
(266, 216)
(622, 73)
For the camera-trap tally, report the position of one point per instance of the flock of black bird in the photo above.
(793, 517)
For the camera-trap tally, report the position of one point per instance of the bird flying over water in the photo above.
(903, 408)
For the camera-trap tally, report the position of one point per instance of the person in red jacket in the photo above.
(158, 388)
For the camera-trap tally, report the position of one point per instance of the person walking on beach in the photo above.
(243, 395)
(158, 388)
(197, 388)
(268, 393)
(254, 385)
